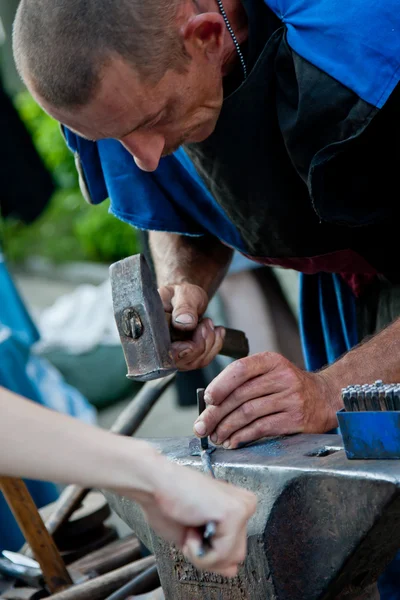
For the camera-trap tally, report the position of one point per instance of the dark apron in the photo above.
(301, 165)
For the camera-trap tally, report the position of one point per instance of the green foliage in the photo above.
(69, 229)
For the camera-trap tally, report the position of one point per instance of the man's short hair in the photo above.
(61, 46)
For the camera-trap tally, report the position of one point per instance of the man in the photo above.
(297, 160)
(285, 110)
(30, 447)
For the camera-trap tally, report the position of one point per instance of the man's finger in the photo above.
(247, 413)
(215, 349)
(228, 550)
(188, 352)
(212, 345)
(258, 387)
(239, 372)
(276, 424)
(182, 352)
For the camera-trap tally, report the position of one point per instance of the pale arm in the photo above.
(38, 443)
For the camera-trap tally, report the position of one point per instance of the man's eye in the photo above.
(155, 121)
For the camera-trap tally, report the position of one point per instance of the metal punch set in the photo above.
(377, 396)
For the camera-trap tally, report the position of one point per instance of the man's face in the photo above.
(150, 120)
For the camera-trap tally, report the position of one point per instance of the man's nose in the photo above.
(146, 149)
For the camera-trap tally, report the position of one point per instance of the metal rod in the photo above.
(201, 405)
(138, 585)
(96, 589)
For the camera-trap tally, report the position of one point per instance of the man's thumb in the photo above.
(189, 303)
(185, 317)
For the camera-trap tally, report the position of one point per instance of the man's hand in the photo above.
(186, 303)
(186, 500)
(266, 395)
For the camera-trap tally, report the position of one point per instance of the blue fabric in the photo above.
(357, 42)
(173, 198)
(328, 324)
(34, 378)
(389, 582)
(91, 165)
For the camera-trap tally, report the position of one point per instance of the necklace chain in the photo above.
(233, 36)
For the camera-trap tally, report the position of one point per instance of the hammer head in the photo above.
(140, 319)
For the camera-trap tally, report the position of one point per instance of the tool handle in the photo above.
(236, 344)
(30, 522)
(70, 499)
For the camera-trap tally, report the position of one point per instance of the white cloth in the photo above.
(80, 321)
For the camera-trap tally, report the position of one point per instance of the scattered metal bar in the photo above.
(138, 585)
(98, 588)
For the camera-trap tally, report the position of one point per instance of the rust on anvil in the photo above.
(192, 579)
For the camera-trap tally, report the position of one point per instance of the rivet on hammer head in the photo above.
(131, 323)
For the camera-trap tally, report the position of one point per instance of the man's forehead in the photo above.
(122, 102)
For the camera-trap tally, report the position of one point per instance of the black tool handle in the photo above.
(236, 344)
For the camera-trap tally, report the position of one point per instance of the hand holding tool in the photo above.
(143, 326)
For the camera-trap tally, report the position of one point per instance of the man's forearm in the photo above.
(39, 443)
(377, 358)
(202, 261)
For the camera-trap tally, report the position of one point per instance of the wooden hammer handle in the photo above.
(30, 522)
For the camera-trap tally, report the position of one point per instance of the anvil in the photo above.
(325, 527)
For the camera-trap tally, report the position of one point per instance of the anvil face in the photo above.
(325, 527)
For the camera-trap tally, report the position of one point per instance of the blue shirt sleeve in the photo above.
(356, 43)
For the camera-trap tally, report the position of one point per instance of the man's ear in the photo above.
(205, 33)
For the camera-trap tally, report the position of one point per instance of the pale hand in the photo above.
(186, 500)
(266, 395)
(187, 303)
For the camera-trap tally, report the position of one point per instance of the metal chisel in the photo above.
(204, 450)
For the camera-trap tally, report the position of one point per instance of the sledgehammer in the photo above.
(143, 325)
